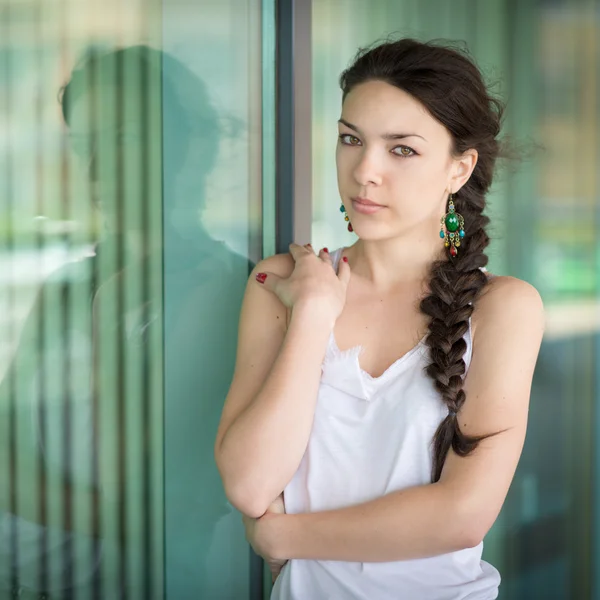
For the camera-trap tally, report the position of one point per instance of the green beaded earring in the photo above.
(453, 222)
(346, 218)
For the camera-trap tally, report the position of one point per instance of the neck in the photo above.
(397, 262)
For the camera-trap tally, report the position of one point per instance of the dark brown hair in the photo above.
(450, 86)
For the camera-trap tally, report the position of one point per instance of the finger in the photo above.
(297, 251)
(268, 280)
(344, 270)
(324, 255)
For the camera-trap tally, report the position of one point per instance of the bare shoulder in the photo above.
(506, 305)
(280, 264)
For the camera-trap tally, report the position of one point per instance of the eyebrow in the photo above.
(385, 136)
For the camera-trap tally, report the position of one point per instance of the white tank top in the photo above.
(372, 436)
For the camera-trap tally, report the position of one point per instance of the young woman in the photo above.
(386, 394)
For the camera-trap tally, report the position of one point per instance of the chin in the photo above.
(370, 234)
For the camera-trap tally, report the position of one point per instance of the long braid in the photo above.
(454, 286)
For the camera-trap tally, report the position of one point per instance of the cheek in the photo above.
(343, 162)
(340, 155)
(417, 172)
(417, 187)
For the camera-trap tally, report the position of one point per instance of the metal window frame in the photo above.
(294, 122)
(286, 153)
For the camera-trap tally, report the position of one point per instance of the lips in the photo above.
(365, 201)
(365, 206)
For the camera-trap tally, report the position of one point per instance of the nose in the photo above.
(368, 169)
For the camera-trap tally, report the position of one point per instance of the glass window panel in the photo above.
(130, 216)
(212, 238)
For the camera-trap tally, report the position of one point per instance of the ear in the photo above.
(462, 169)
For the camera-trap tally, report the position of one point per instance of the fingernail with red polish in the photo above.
(260, 277)
(345, 259)
(325, 250)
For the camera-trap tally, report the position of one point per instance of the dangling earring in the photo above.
(453, 221)
(346, 218)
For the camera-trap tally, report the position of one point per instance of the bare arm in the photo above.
(263, 448)
(457, 511)
(269, 410)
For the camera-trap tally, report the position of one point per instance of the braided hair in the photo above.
(450, 86)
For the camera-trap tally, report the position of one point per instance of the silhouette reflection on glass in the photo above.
(128, 349)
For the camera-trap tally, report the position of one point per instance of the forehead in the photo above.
(377, 107)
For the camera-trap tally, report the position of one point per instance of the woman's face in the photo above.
(392, 151)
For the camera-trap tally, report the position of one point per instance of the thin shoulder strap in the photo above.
(335, 257)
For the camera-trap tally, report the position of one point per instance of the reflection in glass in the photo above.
(128, 347)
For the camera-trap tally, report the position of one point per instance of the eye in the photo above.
(353, 139)
(404, 151)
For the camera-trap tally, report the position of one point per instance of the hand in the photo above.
(257, 536)
(312, 282)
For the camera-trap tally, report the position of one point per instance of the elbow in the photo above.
(462, 537)
(470, 539)
(245, 493)
(480, 526)
(472, 529)
(241, 496)
(247, 503)
(462, 519)
(459, 538)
